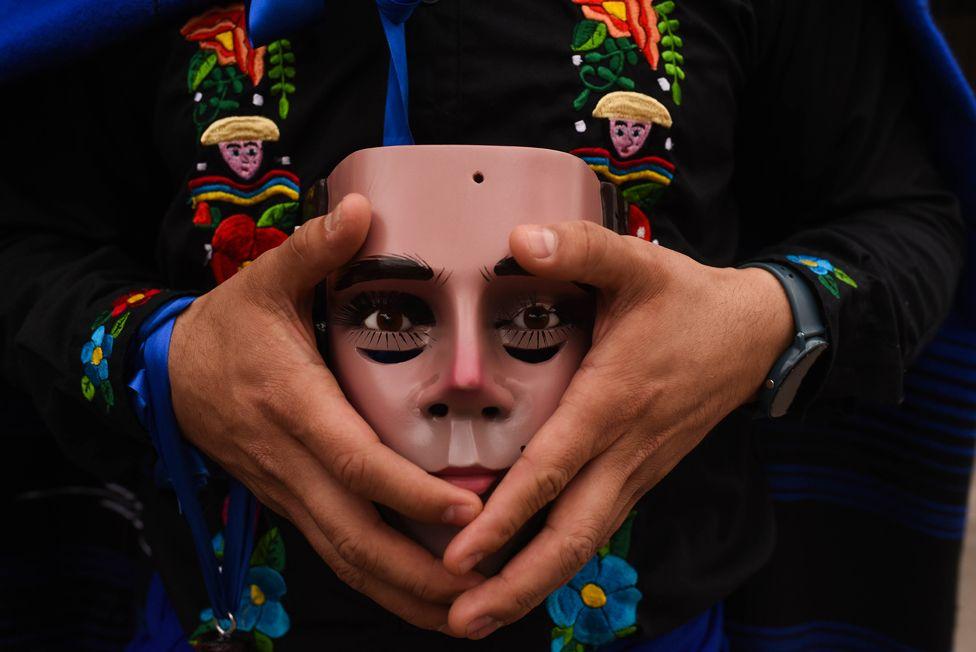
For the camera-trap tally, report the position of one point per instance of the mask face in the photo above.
(452, 353)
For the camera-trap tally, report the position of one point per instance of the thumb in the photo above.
(583, 252)
(318, 248)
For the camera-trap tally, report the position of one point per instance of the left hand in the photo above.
(677, 346)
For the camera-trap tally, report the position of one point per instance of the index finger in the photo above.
(354, 455)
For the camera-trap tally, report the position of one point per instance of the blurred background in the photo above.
(958, 20)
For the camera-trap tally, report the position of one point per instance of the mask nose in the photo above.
(469, 387)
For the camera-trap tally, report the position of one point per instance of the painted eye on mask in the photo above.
(535, 332)
(387, 327)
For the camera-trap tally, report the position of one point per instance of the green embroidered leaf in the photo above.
(262, 643)
(632, 57)
(228, 105)
(275, 59)
(672, 56)
(620, 541)
(87, 388)
(285, 43)
(101, 319)
(276, 88)
(289, 88)
(625, 632)
(624, 43)
(283, 107)
(289, 57)
(237, 85)
(275, 72)
(610, 45)
(676, 92)
(674, 70)
(581, 99)
(289, 72)
(107, 394)
(579, 648)
(664, 8)
(588, 35)
(603, 552)
(204, 628)
(120, 324)
(218, 73)
(626, 83)
(829, 283)
(644, 192)
(593, 57)
(672, 41)
(270, 551)
(200, 66)
(280, 215)
(605, 73)
(215, 216)
(274, 47)
(844, 278)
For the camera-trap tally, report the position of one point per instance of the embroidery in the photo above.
(282, 70)
(97, 351)
(599, 605)
(221, 30)
(633, 18)
(237, 242)
(673, 59)
(223, 88)
(219, 188)
(825, 271)
(260, 614)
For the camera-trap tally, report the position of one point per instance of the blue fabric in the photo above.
(36, 34)
(159, 630)
(269, 19)
(154, 407)
(706, 633)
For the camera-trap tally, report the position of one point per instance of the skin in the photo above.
(283, 427)
(318, 463)
(718, 332)
(628, 136)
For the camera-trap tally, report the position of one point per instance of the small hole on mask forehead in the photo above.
(437, 410)
(491, 413)
(478, 177)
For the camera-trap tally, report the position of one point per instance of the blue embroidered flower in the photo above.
(598, 605)
(260, 608)
(819, 266)
(94, 359)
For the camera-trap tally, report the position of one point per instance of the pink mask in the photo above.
(243, 157)
(443, 344)
(628, 136)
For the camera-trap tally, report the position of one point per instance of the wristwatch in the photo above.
(784, 379)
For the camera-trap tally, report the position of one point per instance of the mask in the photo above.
(451, 352)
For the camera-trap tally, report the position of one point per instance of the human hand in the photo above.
(677, 346)
(252, 392)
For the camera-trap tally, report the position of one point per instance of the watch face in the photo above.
(790, 384)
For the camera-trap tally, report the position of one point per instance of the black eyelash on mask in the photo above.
(361, 306)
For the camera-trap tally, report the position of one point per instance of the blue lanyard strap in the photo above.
(268, 19)
(180, 464)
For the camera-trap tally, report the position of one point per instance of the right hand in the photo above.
(252, 392)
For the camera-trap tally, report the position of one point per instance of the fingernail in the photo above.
(332, 219)
(482, 627)
(542, 242)
(470, 562)
(459, 514)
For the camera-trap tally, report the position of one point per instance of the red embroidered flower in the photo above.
(222, 29)
(131, 300)
(237, 242)
(632, 18)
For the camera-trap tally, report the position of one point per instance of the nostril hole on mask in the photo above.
(491, 413)
(437, 410)
(478, 177)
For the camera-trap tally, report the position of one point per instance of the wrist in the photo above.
(772, 326)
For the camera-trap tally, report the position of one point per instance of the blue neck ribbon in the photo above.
(269, 19)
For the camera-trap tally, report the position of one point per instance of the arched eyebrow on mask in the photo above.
(384, 268)
(507, 266)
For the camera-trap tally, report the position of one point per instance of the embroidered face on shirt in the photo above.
(243, 156)
(628, 136)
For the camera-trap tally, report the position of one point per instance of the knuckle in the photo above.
(351, 577)
(355, 553)
(580, 546)
(352, 470)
